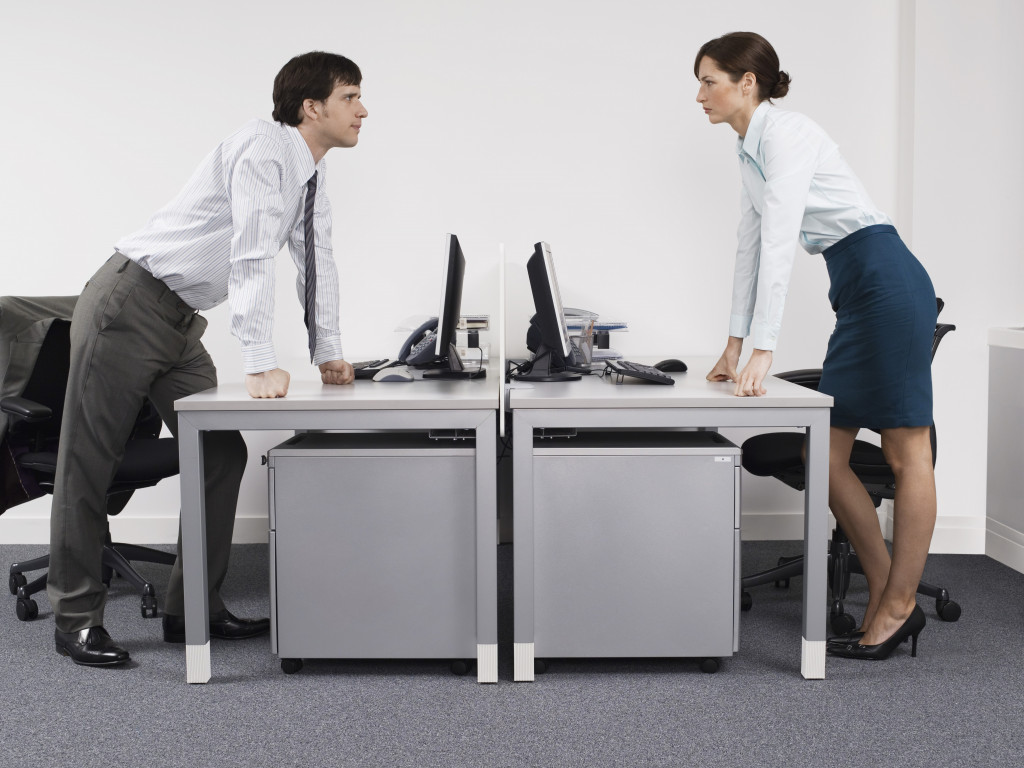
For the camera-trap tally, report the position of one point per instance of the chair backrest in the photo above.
(36, 443)
(48, 383)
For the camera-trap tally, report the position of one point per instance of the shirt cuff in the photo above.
(327, 349)
(259, 358)
(739, 326)
(763, 338)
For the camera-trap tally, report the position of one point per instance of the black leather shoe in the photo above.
(90, 647)
(223, 625)
(910, 628)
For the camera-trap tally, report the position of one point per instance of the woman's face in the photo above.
(722, 99)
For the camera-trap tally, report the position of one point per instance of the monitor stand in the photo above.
(454, 368)
(542, 369)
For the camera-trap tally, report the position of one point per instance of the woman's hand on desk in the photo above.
(336, 372)
(268, 384)
(725, 368)
(751, 378)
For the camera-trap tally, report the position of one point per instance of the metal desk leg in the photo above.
(812, 662)
(193, 552)
(486, 554)
(522, 547)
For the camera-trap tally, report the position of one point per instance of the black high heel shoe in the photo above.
(910, 628)
(852, 637)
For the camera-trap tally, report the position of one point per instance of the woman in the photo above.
(798, 189)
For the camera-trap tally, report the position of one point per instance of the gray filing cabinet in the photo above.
(637, 545)
(372, 547)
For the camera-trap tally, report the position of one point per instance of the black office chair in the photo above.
(778, 455)
(35, 420)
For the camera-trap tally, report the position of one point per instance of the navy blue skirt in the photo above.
(878, 364)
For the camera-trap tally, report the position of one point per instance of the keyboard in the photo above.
(367, 369)
(649, 373)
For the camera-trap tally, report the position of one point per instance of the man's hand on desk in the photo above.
(268, 384)
(337, 372)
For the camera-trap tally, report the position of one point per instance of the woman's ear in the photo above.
(748, 83)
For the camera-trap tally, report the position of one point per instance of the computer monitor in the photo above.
(548, 338)
(446, 362)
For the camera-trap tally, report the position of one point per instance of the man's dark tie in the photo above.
(310, 315)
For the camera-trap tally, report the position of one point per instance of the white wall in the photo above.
(968, 162)
(572, 122)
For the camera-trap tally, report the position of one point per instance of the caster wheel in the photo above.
(842, 623)
(947, 610)
(460, 668)
(540, 666)
(746, 601)
(148, 607)
(16, 580)
(291, 666)
(709, 666)
(28, 609)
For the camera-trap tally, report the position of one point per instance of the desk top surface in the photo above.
(691, 390)
(363, 394)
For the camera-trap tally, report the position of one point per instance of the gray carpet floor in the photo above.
(959, 703)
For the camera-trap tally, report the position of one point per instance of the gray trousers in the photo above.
(131, 338)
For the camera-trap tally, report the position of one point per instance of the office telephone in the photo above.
(418, 349)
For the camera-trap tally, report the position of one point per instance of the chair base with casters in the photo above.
(842, 561)
(146, 461)
(780, 455)
(117, 561)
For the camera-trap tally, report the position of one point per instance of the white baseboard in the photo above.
(137, 530)
(1004, 544)
(954, 535)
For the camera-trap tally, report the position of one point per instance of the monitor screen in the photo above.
(547, 300)
(441, 356)
(451, 296)
(548, 337)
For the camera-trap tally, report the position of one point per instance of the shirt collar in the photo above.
(749, 144)
(300, 151)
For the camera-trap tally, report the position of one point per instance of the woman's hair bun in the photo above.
(781, 87)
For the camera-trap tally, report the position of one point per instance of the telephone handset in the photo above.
(419, 347)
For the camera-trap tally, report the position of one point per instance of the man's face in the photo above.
(341, 117)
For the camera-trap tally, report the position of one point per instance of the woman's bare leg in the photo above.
(856, 514)
(908, 451)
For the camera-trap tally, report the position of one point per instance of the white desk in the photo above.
(595, 403)
(365, 405)
(1004, 523)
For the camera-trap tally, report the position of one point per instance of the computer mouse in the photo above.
(672, 365)
(394, 374)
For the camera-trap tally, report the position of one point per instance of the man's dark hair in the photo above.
(312, 75)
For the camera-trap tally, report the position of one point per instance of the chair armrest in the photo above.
(24, 409)
(805, 377)
(941, 329)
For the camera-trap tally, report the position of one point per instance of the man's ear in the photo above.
(311, 109)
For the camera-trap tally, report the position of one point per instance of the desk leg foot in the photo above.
(487, 663)
(812, 662)
(197, 663)
(522, 671)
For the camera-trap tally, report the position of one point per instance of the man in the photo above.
(136, 334)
